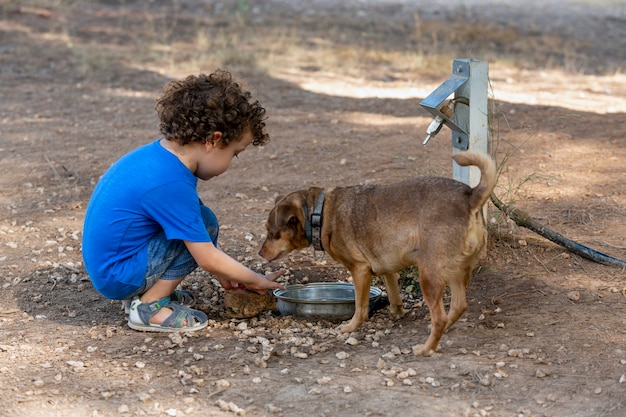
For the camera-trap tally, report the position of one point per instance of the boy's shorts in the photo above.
(170, 259)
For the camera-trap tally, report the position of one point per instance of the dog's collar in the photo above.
(313, 226)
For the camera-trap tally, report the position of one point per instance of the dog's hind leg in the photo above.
(362, 278)
(393, 292)
(458, 303)
(432, 289)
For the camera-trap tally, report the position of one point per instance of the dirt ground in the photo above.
(545, 331)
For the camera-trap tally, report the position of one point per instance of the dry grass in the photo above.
(174, 38)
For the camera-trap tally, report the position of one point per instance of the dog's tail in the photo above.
(481, 192)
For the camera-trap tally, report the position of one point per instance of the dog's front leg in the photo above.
(393, 292)
(362, 279)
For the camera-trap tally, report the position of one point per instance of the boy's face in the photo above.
(217, 159)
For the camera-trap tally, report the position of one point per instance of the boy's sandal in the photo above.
(182, 297)
(142, 313)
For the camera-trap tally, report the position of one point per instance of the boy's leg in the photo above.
(169, 262)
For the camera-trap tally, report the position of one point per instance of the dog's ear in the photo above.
(286, 215)
(289, 211)
(278, 198)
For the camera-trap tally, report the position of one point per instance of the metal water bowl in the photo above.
(332, 301)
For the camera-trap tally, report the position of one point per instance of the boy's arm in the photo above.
(213, 260)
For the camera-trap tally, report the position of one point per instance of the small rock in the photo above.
(574, 295)
(324, 380)
(430, 380)
(515, 353)
(230, 406)
(352, 341)
(75, 364)
(342, 355)
(222, 383)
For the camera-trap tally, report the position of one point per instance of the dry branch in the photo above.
(523, 219)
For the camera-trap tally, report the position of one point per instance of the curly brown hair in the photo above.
(192, 109)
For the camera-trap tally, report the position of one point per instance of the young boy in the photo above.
(146, 229)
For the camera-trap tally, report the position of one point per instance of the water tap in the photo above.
(438, 122)
(434, 128)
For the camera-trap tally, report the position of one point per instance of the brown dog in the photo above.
(377, 230)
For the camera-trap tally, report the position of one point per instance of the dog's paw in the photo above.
(422, 350)
(397, 312)
(347, 327)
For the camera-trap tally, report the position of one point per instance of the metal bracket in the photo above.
(435, 101)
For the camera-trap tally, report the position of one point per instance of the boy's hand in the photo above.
(229, 285)
(267, 282)
(264, 283)
(275, 275)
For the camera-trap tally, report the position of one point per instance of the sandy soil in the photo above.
(545, 332)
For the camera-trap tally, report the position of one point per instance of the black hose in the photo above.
(523, 219)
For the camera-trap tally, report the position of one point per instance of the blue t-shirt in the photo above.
(147, 191)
